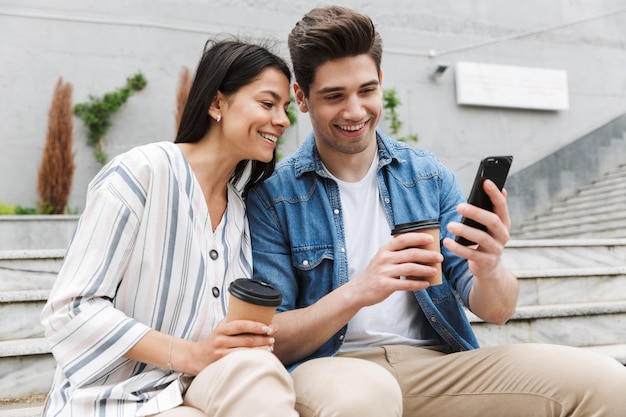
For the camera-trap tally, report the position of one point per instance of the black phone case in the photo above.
(496, 169)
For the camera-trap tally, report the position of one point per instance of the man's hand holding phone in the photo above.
(492, 224)
(494, 169)
(494, 290)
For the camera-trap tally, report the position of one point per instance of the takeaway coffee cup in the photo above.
(424, 226)
(252, 299)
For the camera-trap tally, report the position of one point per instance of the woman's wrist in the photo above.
(182, 357)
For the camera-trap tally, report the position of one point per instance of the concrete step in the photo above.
(563, 271)
(31, 406)
(594, 207)
(609, 185)
(577, 203)
(593, 210)
(593, 227)
(23, 307)
(36, 231)
(29, 269)
(577, 285)
(544, 254)
(576, 324)
(584, 222)
(26, 368)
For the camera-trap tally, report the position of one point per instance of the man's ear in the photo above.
(380, 77)
(300, 99)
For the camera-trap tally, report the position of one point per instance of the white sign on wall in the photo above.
(511, 86)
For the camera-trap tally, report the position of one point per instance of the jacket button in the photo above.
(305, 263)
(336, 211)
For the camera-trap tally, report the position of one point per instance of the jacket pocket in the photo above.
(306, 259)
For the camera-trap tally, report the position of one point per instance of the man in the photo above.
(321, 233)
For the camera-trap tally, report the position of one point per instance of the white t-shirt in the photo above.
(397, 319)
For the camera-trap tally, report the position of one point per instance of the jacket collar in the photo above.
(307, 158)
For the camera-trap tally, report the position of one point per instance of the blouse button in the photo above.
(213, 254)
(216, 292)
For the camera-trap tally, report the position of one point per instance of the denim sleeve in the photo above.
(455, 268)
(271, 253)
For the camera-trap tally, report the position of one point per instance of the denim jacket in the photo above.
(298, 237)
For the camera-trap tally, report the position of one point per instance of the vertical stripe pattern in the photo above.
(138, 260)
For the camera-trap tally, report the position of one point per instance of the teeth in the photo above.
(269, 137)
(352, 128)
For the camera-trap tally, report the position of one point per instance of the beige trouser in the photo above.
(530, 380)
(345, 387)
(247, 382)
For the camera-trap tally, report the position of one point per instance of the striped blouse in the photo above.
(142, 257)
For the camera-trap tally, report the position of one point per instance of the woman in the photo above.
(135, 316)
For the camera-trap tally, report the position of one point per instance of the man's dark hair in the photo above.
(328, 33)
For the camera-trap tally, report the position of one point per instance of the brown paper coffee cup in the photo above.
(252, 299)
(432, 228)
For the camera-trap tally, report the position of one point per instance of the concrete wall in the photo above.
(96, 45)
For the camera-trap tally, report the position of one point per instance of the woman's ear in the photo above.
(215, 109)
(300, 99)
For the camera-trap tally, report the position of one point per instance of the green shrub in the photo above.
(390, 103)
(96, 113)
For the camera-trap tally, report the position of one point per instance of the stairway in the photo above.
(536, 187)
(26, 365)
(31, 253)
(572, 291)
(597, 210)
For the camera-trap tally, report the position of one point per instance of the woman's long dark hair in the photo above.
(227, 65)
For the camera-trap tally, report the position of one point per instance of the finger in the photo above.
(480, 262)
(497, 229)
(247, 341)
(498, 199)
(416, 256)
(492, 221)
(272, 329)
(412, 267)
(236, 327)
(407, 240)
(491, 241)
(416, 283)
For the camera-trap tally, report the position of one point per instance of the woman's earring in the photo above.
(218, 118)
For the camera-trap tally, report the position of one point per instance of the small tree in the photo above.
(292, 115)
(56, 170)
(96, 113)
(182, 93)
(390, 103)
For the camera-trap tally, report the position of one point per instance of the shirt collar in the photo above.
(307, 158)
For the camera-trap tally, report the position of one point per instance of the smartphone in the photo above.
(496, 169)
